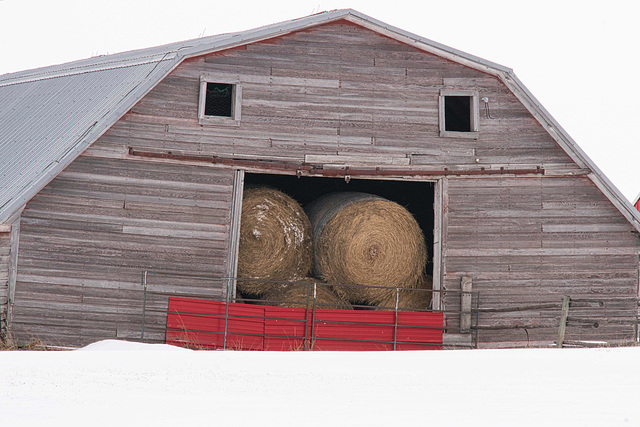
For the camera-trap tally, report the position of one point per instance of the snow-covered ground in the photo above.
(116, 383)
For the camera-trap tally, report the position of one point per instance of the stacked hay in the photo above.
(275, 240)
(300, 295)
(417, 298)
(365, 239)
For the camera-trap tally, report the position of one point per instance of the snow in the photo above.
(117, 345)
(115, 382)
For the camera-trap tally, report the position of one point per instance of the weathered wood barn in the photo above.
(115, 166)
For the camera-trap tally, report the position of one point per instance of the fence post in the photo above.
(395, 325)
(466, 285)
(313, 315)
(306, 319)
(144, 302)
(226, 314)
(563, 320)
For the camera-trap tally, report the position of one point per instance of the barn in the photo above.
(121, 188)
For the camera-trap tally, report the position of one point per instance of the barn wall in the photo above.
(339, 91)
(527, 242)
(88, 236)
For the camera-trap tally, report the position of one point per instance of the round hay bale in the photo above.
(409, 299)
(275, 240)
(298, 295)
(364, 239)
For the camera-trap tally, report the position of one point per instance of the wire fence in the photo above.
(573, 320)
(209, 313)
(502, 318)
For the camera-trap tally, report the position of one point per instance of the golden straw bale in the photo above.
(364, 239)
(275, 240)
(409, 299)
(298, 295)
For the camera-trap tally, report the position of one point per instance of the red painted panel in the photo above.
(357, 328)
(374, 330)
(201, 324)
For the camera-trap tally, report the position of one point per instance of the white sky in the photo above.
(579, 58)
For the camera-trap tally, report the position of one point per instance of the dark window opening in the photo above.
(219, 100)
(457, 113)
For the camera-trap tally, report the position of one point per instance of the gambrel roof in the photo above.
(49, 116)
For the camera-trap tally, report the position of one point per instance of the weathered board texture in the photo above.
(335, 90)
(88, 236)
(527, 242)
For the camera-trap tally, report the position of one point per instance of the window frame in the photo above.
(236, 105)
(474, 119)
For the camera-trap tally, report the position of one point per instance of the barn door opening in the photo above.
(417, 197)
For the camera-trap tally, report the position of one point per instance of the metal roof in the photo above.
(50, 115)
(48, 118)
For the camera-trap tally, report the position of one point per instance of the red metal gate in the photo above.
(213, 324)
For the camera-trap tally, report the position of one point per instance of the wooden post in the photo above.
(13, 267)
(438, 224)
(563, 320)
(144, 302)
(466, 284)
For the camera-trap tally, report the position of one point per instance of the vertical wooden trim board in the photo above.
(234, 232)
(437, 244)
(466, 287)
(13, 266)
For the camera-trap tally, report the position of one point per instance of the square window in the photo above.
(220, 100)
(459, 115)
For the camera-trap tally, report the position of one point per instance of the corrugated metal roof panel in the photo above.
(46, 119)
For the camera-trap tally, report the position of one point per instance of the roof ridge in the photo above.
(49, 73)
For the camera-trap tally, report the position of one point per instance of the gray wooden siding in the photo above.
(88, 236)
(5, 249)
(530, 241)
